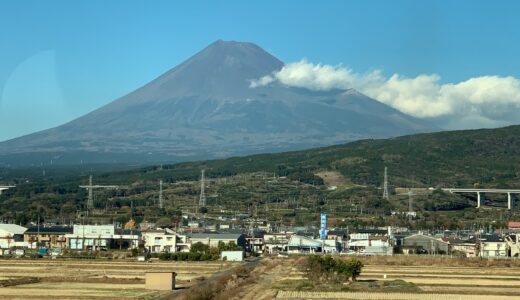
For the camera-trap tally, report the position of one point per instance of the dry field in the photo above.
(420, 279)
(333, 178)
(395, 278)
(93, 279)
(385, 296)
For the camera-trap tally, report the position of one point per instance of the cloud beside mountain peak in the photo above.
(485, 100)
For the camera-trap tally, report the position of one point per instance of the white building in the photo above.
(363, 243)
(332, 246)
(11, 235)
(302, 245)
(213, 239)
(161, 240)
(492, 246)
(97, 237)
(232, 255)
(90, 237)
(468, 248)
(276, 242)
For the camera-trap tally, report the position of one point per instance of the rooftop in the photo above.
(13, 228)
(222, 236)
(49, 230)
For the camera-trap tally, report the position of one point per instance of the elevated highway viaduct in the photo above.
(479, 192)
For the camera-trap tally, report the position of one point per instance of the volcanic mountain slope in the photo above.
(206, 108)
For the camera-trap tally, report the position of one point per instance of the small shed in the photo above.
(161, 281)
(233, 255)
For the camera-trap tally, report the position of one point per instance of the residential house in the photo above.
(339, 235)
(512, 225)
(492, 245)
(468, 248)
(163, 240)
(47, 236)
(255, 241)
(276, 242)
(213, 239)
(332, 246)
(513, 243)
(420, 243)
(123, 239)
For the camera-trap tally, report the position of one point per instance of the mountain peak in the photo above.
(221, 67)
(223, 43)
(205, 108)
(245, 53)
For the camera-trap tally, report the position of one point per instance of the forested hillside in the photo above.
(488, 157)
(291, 186)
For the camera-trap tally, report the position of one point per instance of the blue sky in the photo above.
(62, 59)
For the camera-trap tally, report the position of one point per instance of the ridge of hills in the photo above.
(489, 157)
(291, 186)
(464, 158)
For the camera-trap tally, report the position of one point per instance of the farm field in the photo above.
(272, 278)
(91, 279)
(422, 279)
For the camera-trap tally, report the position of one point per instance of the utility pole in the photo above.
(410, 208)
(385, 185)
(38, 236)
(90, 200)
(161, 202)
(202, 198)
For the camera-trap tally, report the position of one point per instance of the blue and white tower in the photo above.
(323, 227)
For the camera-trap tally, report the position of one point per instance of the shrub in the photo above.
(187, 256)
(199, 248)
(328, 269)
(165, 256)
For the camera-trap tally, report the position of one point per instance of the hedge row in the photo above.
(188, 256)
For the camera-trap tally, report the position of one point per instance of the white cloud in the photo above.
(485, 101)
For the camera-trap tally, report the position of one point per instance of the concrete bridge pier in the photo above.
(482, 192)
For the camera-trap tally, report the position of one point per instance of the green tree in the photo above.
(199, 247)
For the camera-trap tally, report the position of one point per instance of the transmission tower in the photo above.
(90, 187)
(202, 199)
(385, 185)
(161, 203)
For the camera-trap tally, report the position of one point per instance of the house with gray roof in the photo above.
(213, 239)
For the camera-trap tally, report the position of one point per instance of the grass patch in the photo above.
(294, 285)
(358, 286)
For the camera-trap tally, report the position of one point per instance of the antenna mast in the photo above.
(202, 199)
(385, 185)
